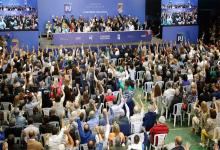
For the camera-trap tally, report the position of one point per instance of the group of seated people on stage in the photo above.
(96, 24)
(62, 99)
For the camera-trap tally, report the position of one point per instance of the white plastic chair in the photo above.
(158, 141)
(17, 140)
(166, 101)
(6, 115)
(136, 127)
(177, 112)
(83, 147)
(140, 75)
(55, 123)
(46, 111)
(7, 105)
(37, 124)
(189, 112)
(209, 104)
(148, 87)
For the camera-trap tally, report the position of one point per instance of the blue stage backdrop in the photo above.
(190, 33)
(88, 8)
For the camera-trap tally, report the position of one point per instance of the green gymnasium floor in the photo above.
(184, 131)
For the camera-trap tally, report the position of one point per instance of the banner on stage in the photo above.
(101, 37)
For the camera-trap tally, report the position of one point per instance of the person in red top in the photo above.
(159, 128)
(109, 97)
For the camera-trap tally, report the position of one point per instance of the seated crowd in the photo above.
(63, 99)
(96, 24)
(19, 22)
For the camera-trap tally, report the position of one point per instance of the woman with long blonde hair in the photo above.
(202, 114)
(116, 133)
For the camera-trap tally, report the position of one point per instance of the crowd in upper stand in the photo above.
(18, 18)
(79, 97)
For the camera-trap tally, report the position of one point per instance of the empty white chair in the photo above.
(46, 111)
(177, 112)
(158, 141)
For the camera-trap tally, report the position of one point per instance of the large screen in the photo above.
(18, 15)
(179, 12)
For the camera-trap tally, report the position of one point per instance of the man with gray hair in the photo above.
(159, 128)
(137, 118)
